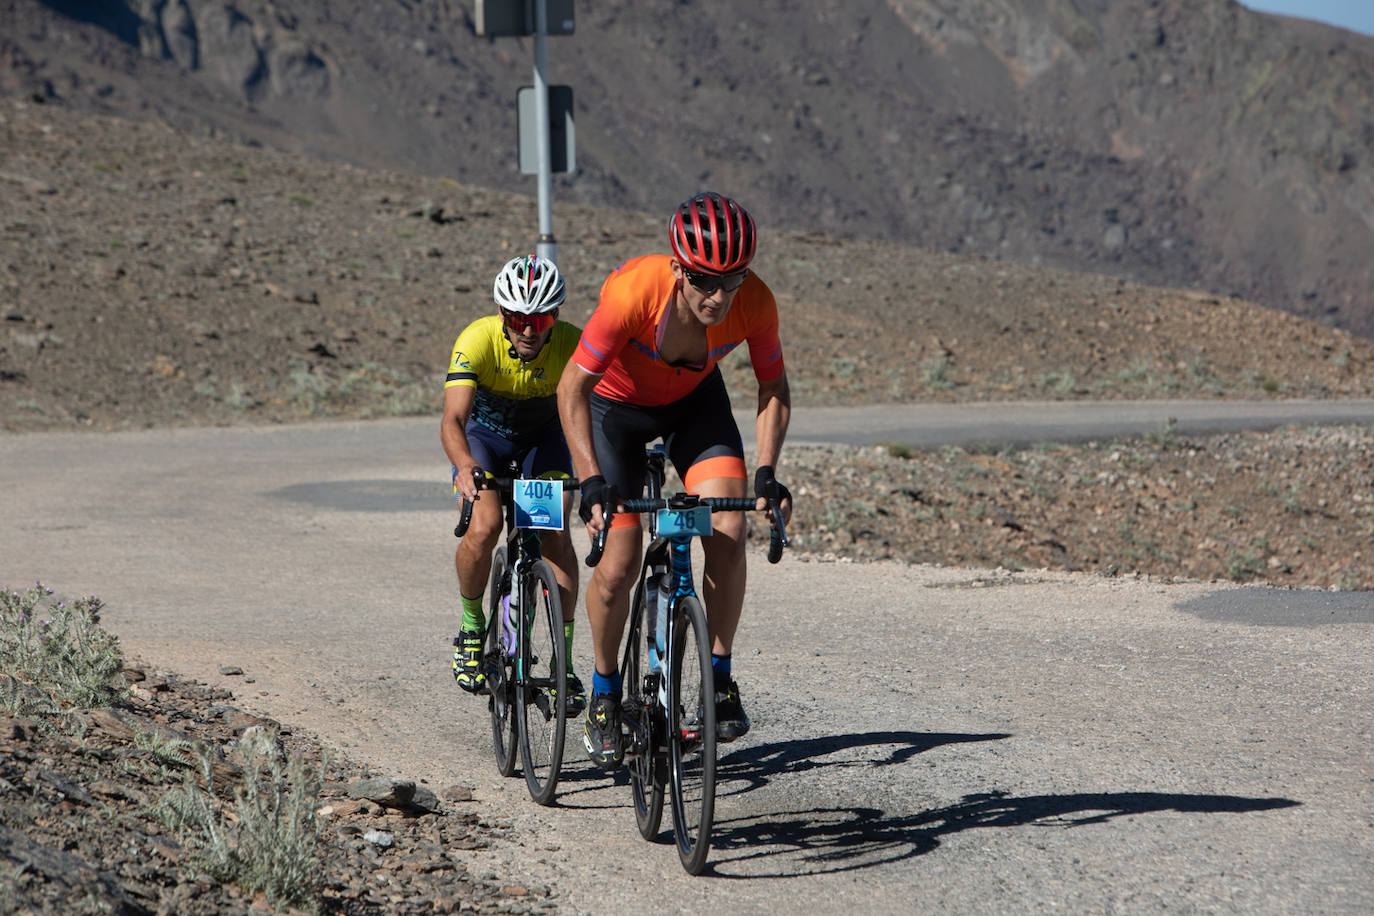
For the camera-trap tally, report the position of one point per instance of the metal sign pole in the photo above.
(546, 246)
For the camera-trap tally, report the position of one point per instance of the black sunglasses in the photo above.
(709, 283)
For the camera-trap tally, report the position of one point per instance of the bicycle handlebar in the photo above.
(777, 530)
(501, 484)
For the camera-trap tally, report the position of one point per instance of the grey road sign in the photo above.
(560, 131)
(503, 18)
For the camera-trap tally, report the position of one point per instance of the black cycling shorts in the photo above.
(545, 453)
(698, 432)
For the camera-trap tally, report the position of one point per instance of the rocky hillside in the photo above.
(1180, 144)
(150, 277)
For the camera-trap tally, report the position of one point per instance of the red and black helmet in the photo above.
(712, 234)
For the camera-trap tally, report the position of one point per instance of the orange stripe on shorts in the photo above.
(624, 520)
(730, 466)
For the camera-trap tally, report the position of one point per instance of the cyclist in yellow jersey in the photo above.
(499, 405)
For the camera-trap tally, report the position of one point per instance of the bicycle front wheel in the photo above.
(692, 734)
(500, 670)
(644, 757)
(542, 683)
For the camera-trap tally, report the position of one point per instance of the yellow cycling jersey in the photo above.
(514, 399)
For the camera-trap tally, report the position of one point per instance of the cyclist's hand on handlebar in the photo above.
(785, 504)
(767, 488)
(465, 478)
(596, 495)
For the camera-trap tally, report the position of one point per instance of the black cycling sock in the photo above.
(720, 665)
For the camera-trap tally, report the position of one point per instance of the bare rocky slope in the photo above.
(1178, 144)
(100, 826)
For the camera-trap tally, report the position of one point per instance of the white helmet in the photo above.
(530, 285)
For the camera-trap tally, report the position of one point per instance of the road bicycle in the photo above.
(668, 709)
(524, 655)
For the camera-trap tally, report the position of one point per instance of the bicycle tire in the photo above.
(691, 733)
(541, 685)
(500, 683)
(644, 760)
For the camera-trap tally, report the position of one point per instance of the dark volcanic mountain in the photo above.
(1173, 143)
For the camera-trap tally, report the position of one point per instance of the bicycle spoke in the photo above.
(543, 685)
(692, 746)
(499, 674)
(643, 758)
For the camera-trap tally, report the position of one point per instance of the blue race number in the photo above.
(539, 504)
(694, 522)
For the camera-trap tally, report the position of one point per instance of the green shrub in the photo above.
(60, 647)
(1165, 436)
(268, 842)
(936, 373)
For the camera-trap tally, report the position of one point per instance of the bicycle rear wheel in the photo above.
(644, 758)
(692, 734)
(500, 671)
(542, 685)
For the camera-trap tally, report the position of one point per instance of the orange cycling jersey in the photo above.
(621, 340)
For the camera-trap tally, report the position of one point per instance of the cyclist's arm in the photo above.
(575, 413)
(770, 426)
(458, 401)
(765, 355)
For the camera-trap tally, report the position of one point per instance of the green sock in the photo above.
(474, 619)
(567, 641)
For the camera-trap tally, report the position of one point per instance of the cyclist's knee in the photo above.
(730, 526)
(481, 535)
(612, 579)
(558, 548)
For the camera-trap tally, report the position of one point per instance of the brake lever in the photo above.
(465, 516)
(777, 532)
(599, 542)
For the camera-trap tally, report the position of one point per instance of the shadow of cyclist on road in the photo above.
(849, 839)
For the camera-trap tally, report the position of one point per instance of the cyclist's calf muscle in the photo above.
(608, 595)
(473, 558)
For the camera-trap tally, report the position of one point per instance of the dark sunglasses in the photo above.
(540, 322)
(709, 283)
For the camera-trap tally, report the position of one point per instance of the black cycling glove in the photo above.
(767, 486)
(595, 492)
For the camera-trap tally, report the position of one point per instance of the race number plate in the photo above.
(692, 522)
(539, 504)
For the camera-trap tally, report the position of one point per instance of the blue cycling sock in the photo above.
(606, 683)
(720, 665)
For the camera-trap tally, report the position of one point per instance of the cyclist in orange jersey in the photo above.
(646, 368)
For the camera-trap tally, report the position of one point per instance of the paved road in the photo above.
(928, 425)
(926, 739)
